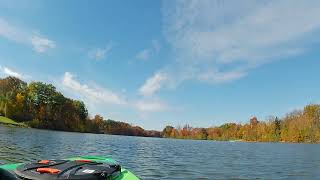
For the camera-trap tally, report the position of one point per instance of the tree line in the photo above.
(297, 126)
(40, 105)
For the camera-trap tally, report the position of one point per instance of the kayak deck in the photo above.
(124, 175)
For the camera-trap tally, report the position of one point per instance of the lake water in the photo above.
(156, 158)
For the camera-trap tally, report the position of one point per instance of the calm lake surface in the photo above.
(156, 158)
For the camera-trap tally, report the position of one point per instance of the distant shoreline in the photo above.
(7, 122)
(21, 125)
(13, 125)
(245, 141)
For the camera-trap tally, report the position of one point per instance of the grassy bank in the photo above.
(10, 122)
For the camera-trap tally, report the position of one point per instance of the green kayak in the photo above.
(84, 167)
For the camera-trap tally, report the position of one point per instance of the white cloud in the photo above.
(93, 94)
(40, 44)
(152, 84)
(10, 72)
(249, 35)
(100, 53)
(220, 41)
(145, 54)
(96, 97)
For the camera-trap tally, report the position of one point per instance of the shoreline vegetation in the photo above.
(299, 126)
(40, 105)
(9, 122)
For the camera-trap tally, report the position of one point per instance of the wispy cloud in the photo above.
(93, 94)
(221, 41)
(153, 84)
(10, 32)
(39, 43)
(149, 102)
(10, 72)
(146, 54)
(100, 53)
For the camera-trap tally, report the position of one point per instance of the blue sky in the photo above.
(154, 63)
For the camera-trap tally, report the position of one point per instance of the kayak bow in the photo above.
(84, 167)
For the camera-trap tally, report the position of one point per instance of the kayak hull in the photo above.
(124, 175)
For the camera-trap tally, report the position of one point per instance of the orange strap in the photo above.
(48, 170)
(44, 162)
